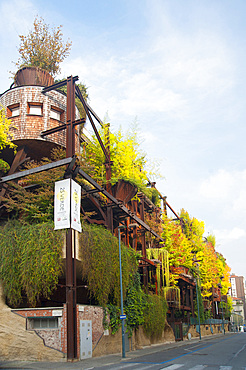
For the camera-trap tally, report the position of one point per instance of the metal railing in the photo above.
(194, 321)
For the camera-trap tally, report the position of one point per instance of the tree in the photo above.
(43, 47)
(185, 243)
(128, 161)
(5, 137)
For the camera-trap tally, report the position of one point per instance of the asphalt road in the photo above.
(224, 352)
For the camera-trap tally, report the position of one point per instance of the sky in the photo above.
(175, 67)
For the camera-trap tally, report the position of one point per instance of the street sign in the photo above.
(122, 317)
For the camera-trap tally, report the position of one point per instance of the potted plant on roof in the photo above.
(41, 53)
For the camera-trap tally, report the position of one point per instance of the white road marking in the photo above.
(132, 365)
(172, 367)
(240, 350)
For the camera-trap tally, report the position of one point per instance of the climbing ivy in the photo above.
(155, 316)
(201, 307)
(99, 255)
(141, 309)
(135, 304)
(114, 318)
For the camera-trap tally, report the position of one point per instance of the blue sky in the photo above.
(178, 68)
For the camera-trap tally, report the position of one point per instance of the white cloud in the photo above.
(16, 16)
(171, 76)
(225, 190)
(228, 235)
(218, 186)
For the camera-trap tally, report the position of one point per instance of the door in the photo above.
(178, 331)
(85, 339)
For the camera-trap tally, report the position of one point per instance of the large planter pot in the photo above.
(124, 191)
(28, 76)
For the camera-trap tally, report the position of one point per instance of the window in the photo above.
(43, 323)
(35, 109)
(13, 110)
(55, 114)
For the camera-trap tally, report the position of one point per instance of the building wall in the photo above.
(57, 338)
(29, 125)
(17, 343)
(237, 291)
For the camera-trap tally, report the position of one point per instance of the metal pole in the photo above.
(198, 311)
(121, 300)
(70, 258)
(223, 327)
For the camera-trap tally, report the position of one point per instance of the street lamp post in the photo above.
(198, 310)
(122, 316)
(195, 262)
(221, 304)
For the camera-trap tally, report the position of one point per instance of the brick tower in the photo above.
(33, 112)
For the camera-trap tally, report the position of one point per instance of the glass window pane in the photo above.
(35, 109)
(55, 114)
(15, 111)
(36, 324)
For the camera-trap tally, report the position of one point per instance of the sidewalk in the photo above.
(90, 363)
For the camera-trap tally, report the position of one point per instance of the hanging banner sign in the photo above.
(75, 206)
(62, 204)
(67, 205)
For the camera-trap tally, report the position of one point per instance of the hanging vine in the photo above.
(30, 261)
(160, 254)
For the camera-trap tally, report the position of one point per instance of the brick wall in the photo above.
(53, 338)
(57, 338)
(29, 126)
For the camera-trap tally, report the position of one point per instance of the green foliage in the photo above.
(211, 239)
(140, 309)
(155, 316)
(135, 304)
(186, 247)
(36, 205)
(129, 162)
(193, 229)
(43, 47)
(114, 314)
(5, 137)
(30, 261)
(154, 197)
(201, 307)
(4, 166)
(208, 314)
(229, 307)
(99, 254)
(160, 254)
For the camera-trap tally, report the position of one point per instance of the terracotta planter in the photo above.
(29, 76)
(124, 191)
